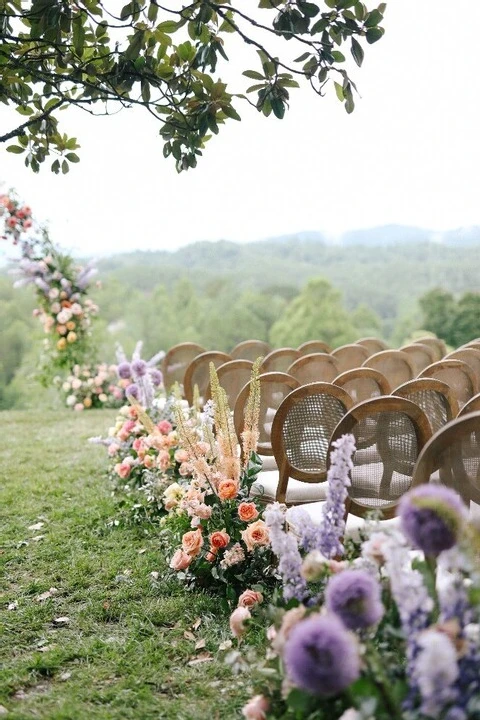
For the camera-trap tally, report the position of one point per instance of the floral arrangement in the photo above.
(140, 379)
(91, 386)
(216, 535)
(393, 633)
(17, 217)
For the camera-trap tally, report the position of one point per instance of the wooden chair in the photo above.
(421, 355)
(250, 350)
(198, 373)
(438, 346)
(469, 355)
(232, 376)
(177, 360)
(279, 360)
(452, 457)
(314, 346)
(363, 383)
(395, 365)
(350, 356)
(373, 344)
(435, 397)
(475, 344)
(457, 374)
(301, 432)
(473, 405)
(317, 367)
(274, 388)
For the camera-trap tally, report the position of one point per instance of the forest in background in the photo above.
(285, 290)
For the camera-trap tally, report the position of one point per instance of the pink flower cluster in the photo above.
(17, 217)
(91, 386)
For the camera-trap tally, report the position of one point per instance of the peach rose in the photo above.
(192, 542)
(247, 511)
(204, 512)
(211, 555)
(219, 539)
(227, 489)
(237, 621)
(185, 469)
(256, 708)
(163, 460)
(123, 470)
(181, 455)
(149, 461)
(180, 560)
(249, 598)
(256, 535)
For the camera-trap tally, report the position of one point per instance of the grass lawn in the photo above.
(124, 649)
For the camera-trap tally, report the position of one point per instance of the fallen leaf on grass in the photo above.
(225, 645)
(46, 648)
(200, 644)
(3, 710)
(154, 574)
(12, 605)
(47, 594)
(189, 635)
(203, 657)
(61, 620)
(197, 624)
(143, 550)
(64, 676)
(37, 526)
(37, 538)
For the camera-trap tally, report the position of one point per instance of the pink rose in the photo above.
(113, 448)
(163, 460)
(149, 461)
(180, 560)
(256, 708)
(181, 455)
(185, 469)
(123, 470)
(237, 621)
(165, 427)
(249, 598)
(137, 444)
(204, 512)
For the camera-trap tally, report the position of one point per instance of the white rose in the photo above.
(71, 400)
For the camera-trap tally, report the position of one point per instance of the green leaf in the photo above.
(65, 167)
(55, 167)
(278, 107)
(152, 12)
(374, 34)
(231, 112)
(338, 56)
(127, 10)
(339, 91)
(15, 149)
(169, 26)
(373, 18)
(307, 8)
(145, 89)
(72, 157)
(357, 52)
(253, 74)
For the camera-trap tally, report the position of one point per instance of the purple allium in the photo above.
(355, 596)
(321, 656)
(132, 391)
(124, 370)
(139, 367)
(157, 377)
(432, 517)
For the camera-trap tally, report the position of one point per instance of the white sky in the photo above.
(409, 154)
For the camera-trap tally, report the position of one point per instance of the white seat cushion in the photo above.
(354, 523)
(297, 491)
(268, 463)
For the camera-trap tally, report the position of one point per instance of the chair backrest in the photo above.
(232, 377)
(389, 434)
(421, 355)
(454, 451)
(475, 344)
(176, 361)
(437, 345)
(350, 356)
(317, 367)
(301, 432)
(250, 350)
(314, 346)
(363, 383)
(372, 344)
(198, 373)
(274, 388)
(435, 397)
(469, 355)
(473, 405)
(457, 374)
(394, 364)
(279, 360)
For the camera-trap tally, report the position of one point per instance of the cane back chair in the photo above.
(198, 373)
(394, 364)
(279, 360)
(363, 383)
(373, 344)
(435, 397)
(421, 355)
(232, 377)
(350, 356)
(457, 374)
(316, 367)
(314, 346)
(176, 361)
(250, 350)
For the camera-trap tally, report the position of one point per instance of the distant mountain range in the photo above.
(389, 235)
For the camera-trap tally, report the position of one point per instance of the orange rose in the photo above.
(227, 489)
(247, 511)
(192, 542)
(249, 598)
(219, 539)
(255, 535)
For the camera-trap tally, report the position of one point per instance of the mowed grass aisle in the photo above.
(111, 642)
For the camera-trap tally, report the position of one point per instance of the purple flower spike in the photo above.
(132, 391)
(432, 517)
(139, 367)
(124, 370)
(157, 377)
(321, 656)
(355, 596)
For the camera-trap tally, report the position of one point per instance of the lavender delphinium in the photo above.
(355, 596)
(284, 546)
(124, 370)
(132, 391)
(432, 517)
(142, 373)
(333, 511)
(321, 656)
(308, 531)
(436, 670)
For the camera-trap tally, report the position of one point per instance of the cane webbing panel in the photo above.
(317, 368)
(396, 370)
(362, 388)
(457, 380)
(307, 430)
(350, 356)
(433, 405)
(377, 484)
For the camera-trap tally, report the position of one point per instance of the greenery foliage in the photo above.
(456, 321)
(164, 59)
